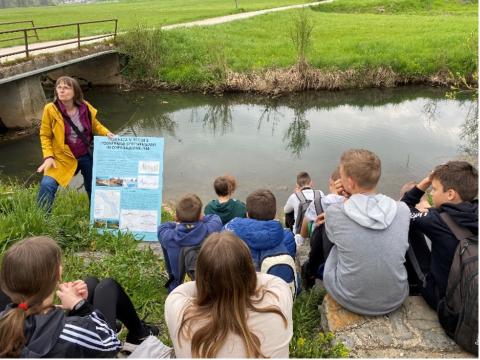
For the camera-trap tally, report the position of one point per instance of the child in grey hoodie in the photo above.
(365, 270)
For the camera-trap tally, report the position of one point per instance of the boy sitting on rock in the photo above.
(226, 207)
(365, 270)
(454, 188)
(189, 229)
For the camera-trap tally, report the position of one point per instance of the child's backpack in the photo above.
(187, 260)
(320, 246)
(458, 310)
(283, 266)
(302, 207)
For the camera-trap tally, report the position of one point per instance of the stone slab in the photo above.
(411, 331)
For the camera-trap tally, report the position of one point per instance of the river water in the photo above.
(265, 142)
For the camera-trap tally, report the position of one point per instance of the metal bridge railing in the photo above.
(78, 40)
(20, 22)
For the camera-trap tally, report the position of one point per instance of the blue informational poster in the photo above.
(127, 185)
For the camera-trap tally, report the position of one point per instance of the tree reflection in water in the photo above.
(150, 118)
(296, 134)
(218, 118)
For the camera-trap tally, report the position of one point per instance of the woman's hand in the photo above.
(68, 295)
(47, 164)
(111, 136)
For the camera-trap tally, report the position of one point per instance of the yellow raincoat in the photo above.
(52, 138)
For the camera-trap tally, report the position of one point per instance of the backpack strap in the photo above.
(317, 201)
(416, 266)
(460, 232)
(301, 196)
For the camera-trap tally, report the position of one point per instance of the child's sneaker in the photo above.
(132, 341)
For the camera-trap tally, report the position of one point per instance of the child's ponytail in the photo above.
(29, 274)
(12, 337)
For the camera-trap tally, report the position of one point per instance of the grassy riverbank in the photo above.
(130, 13)
(138, 269)
(402, 41)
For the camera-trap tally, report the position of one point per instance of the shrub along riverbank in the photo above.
(352, 44)
(138, 269)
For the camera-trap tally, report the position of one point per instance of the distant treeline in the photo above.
(27, 3)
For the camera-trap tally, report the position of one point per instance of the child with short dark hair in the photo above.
(454, 189)
(189, 229)
(365, 271)
(303, 193)
(226, 206)
(265, 236)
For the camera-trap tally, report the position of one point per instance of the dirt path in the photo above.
(204, 22)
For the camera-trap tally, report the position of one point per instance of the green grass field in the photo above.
(149, 13)
(410, 39)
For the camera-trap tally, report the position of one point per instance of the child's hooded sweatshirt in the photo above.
(227, 211)
(365, 270)
(173, 236)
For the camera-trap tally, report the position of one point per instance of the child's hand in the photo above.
(320, 219)
(425, 183)
(81, 288)
(340, 189)
(68, 295)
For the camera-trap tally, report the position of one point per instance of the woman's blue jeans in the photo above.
(49, 186)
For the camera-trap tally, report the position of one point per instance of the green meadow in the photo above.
(408, 37)
(130, 13)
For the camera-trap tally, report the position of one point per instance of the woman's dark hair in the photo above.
(29, 273)
(227, 289)
(77, 90)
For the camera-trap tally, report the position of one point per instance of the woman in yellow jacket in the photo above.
(64, 151)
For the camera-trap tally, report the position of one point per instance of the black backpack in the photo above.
(458, 310)
(320, 247)
(319, 239)
(302, 207)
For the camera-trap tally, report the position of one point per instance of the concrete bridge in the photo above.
(22, 97)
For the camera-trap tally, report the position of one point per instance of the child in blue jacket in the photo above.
(272, 247)
(189, 229)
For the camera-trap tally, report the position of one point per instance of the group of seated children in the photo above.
(359, 238)
(242, 262)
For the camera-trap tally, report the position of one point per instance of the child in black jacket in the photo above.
(31, 326)
(454, 189)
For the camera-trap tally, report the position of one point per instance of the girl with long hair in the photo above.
(66, 133)
(31, 326)
(229, 310)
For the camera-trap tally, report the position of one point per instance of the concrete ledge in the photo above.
(411, 331)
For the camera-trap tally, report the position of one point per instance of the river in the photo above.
(264, 142)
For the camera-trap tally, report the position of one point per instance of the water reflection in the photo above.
(217, 118)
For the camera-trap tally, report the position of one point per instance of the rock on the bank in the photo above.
(412, 330)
